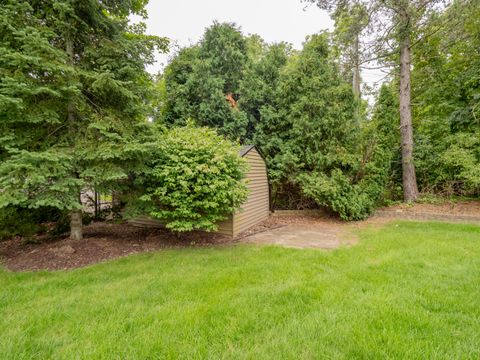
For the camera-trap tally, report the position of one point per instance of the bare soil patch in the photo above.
(463, 211)
(106, 241)
(467, 207)
(302, 230)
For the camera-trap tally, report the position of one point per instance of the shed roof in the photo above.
(245, 149)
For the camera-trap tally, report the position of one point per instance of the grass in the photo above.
(410, 290)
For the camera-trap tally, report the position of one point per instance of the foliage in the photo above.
(73, 96)
(258, 89)
(317, 133)
(381, 146)
(194, 179)
(17, 222)
(201, 79)
(24, 222)
(447, 96)
(301, 113)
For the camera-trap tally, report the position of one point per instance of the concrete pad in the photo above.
(299, 236)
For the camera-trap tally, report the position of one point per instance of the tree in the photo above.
(381, 168)
(193, 180)
(202, 82)
(259, 85)
(73, 98)
(392, 25)
(446, 90)
(351, 19)
(314, 140)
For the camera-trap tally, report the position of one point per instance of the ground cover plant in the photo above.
(409, 290)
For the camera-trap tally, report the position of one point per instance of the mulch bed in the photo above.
(102, 241)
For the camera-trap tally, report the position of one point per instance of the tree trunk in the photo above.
(410, 189)
(69, 47)
(356, 68)
(76, 228)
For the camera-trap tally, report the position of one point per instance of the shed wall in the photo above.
(226, 227)
(257, 206)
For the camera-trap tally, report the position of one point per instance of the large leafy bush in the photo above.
(194, 180)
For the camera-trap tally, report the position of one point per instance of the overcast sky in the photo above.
(185, 21)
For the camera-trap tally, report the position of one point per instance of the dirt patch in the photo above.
(319, 229)
(297, 230)
(102, 241)
(105, 241)
(469, 208)
(458, 211)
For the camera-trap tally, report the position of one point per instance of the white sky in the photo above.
(184, 22)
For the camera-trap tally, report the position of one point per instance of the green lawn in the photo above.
(407, 291)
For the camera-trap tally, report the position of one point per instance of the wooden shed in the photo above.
(255, 209)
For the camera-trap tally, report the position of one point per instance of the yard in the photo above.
(408, 290)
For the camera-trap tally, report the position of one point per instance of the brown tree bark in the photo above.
(356, 68)
(76, 226)
(410, 189)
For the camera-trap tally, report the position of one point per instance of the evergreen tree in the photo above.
(381, 169)
(202, 82)
(351, 20)
(259, 86)
(73, 96)
(318, 149)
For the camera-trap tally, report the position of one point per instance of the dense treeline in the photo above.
(299, 108)
(75, 99)
(446, 96)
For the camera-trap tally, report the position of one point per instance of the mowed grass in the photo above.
(406, 291)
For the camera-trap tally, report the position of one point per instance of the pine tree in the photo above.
(202, 82)
(73, 98)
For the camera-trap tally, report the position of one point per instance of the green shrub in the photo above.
(336, 192)
(24, 222)
(194, 180)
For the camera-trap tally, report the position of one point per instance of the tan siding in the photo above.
(249, 222)
(256, 208)
(258, 166)
(253, 206)
(257, 176)
(257, 189)
(226, 227)
(145, 221)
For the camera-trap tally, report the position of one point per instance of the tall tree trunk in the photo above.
(76, 226)
(356, 68)
(410, 189)
(71, 105)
